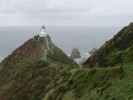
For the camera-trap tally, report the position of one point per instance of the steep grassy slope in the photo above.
(95, 84)
(87, 84)
(102, 84)
(113, 51)
(26, 74)
(107, 75)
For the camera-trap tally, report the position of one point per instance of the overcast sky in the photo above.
(66, 12)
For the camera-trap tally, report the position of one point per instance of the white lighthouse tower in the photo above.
(42, 32)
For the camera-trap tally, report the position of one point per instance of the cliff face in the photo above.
(114, 51)
(32, 70)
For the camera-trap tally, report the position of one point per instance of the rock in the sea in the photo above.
(75, 53)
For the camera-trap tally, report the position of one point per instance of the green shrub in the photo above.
(128, 54)
(35, 98)
(42, 63)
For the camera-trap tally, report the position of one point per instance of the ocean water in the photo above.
(66, 37)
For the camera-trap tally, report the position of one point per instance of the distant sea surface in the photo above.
(66, 37)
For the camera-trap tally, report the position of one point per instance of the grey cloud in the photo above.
(66, 12)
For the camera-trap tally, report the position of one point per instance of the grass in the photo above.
(123, 89)
(90, 84)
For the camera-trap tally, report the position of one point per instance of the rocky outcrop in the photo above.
(75, 53)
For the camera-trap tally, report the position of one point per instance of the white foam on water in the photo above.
(1, 58)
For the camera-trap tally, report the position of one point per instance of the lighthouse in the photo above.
(44, 38)
(42, 32)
